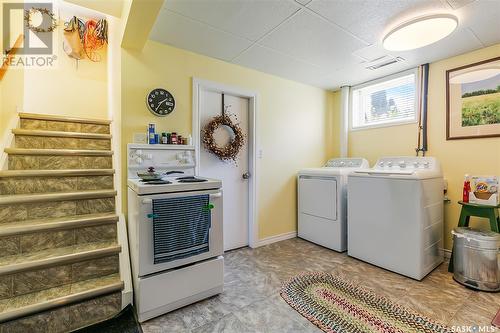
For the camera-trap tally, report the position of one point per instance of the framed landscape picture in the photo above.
(473, 100)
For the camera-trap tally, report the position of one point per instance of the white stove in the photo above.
(175, 230)
(178, 183)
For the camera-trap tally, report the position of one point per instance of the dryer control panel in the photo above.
(347, 163)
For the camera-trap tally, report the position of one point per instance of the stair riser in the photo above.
(67, 318)
(41, 142)
(32, 243)
(35, 162)
(26, 282)
(49, 125)
(30, 185)
(30, 211)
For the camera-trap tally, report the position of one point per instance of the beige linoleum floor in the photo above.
(251, 301)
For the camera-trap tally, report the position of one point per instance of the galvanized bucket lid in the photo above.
(483, 239)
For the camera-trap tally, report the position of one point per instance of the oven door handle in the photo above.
(216, 195)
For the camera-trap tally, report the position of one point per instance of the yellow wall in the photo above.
(68, 89)
(293, 120)
(11, 86)
(457, 157)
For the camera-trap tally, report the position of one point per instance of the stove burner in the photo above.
(190, 179)
(156, 182)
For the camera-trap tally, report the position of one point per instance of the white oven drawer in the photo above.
(155, 295)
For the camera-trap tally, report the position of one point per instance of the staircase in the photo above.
(59, 266)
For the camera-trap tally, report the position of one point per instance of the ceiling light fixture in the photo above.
(419, 32)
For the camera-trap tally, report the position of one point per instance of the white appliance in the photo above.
(322, 208)
(175, 231)
(395, 215)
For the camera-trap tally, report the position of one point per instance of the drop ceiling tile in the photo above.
(481, 16)
(368, 19)
(181, 32)
(485, 33)
(269, 61)
(455, 4)
(246, 18)
(303, 2)
(371, 52)
(312, 39)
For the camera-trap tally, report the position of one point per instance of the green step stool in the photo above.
(472, 209)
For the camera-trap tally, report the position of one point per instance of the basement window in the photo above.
(385, 102)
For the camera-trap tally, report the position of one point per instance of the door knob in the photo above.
(246, 175)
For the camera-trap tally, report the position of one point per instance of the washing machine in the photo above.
(322, 202)
(395, 214)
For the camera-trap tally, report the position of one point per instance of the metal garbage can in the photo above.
(476, 258)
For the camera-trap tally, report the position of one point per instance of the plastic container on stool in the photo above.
(476, 258)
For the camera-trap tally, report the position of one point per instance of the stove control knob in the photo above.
(416, 164)
(426, 164)
(381, 164)
(342, 163)
(350, 164)
(402, 164)
(389, 164)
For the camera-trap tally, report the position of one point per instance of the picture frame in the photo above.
(473, 100)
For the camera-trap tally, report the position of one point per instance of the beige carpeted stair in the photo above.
(59, 266)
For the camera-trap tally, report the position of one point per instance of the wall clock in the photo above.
(160, 102)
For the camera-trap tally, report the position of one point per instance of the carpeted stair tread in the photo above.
(56, 256)
(27, 304)
(56, 173)
(50, 117)
(60, 134)
(58, 152)
(55, 196)
(48, 224)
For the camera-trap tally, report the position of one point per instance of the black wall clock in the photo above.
(160, 102)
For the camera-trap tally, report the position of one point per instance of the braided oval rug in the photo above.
(338, 306)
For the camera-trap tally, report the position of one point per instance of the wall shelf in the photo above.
(159, 146)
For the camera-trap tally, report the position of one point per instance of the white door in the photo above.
(234, 185)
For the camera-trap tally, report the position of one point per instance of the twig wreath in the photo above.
(230, 151)
(42, 11)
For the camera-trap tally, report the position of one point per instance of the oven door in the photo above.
(178, 229)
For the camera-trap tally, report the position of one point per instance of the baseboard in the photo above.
(125, 271)
(276, 238)
(7, 141)
(447, 254)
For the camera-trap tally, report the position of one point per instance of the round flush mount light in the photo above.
(419, 32)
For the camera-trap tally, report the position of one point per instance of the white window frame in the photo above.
(383, 79)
